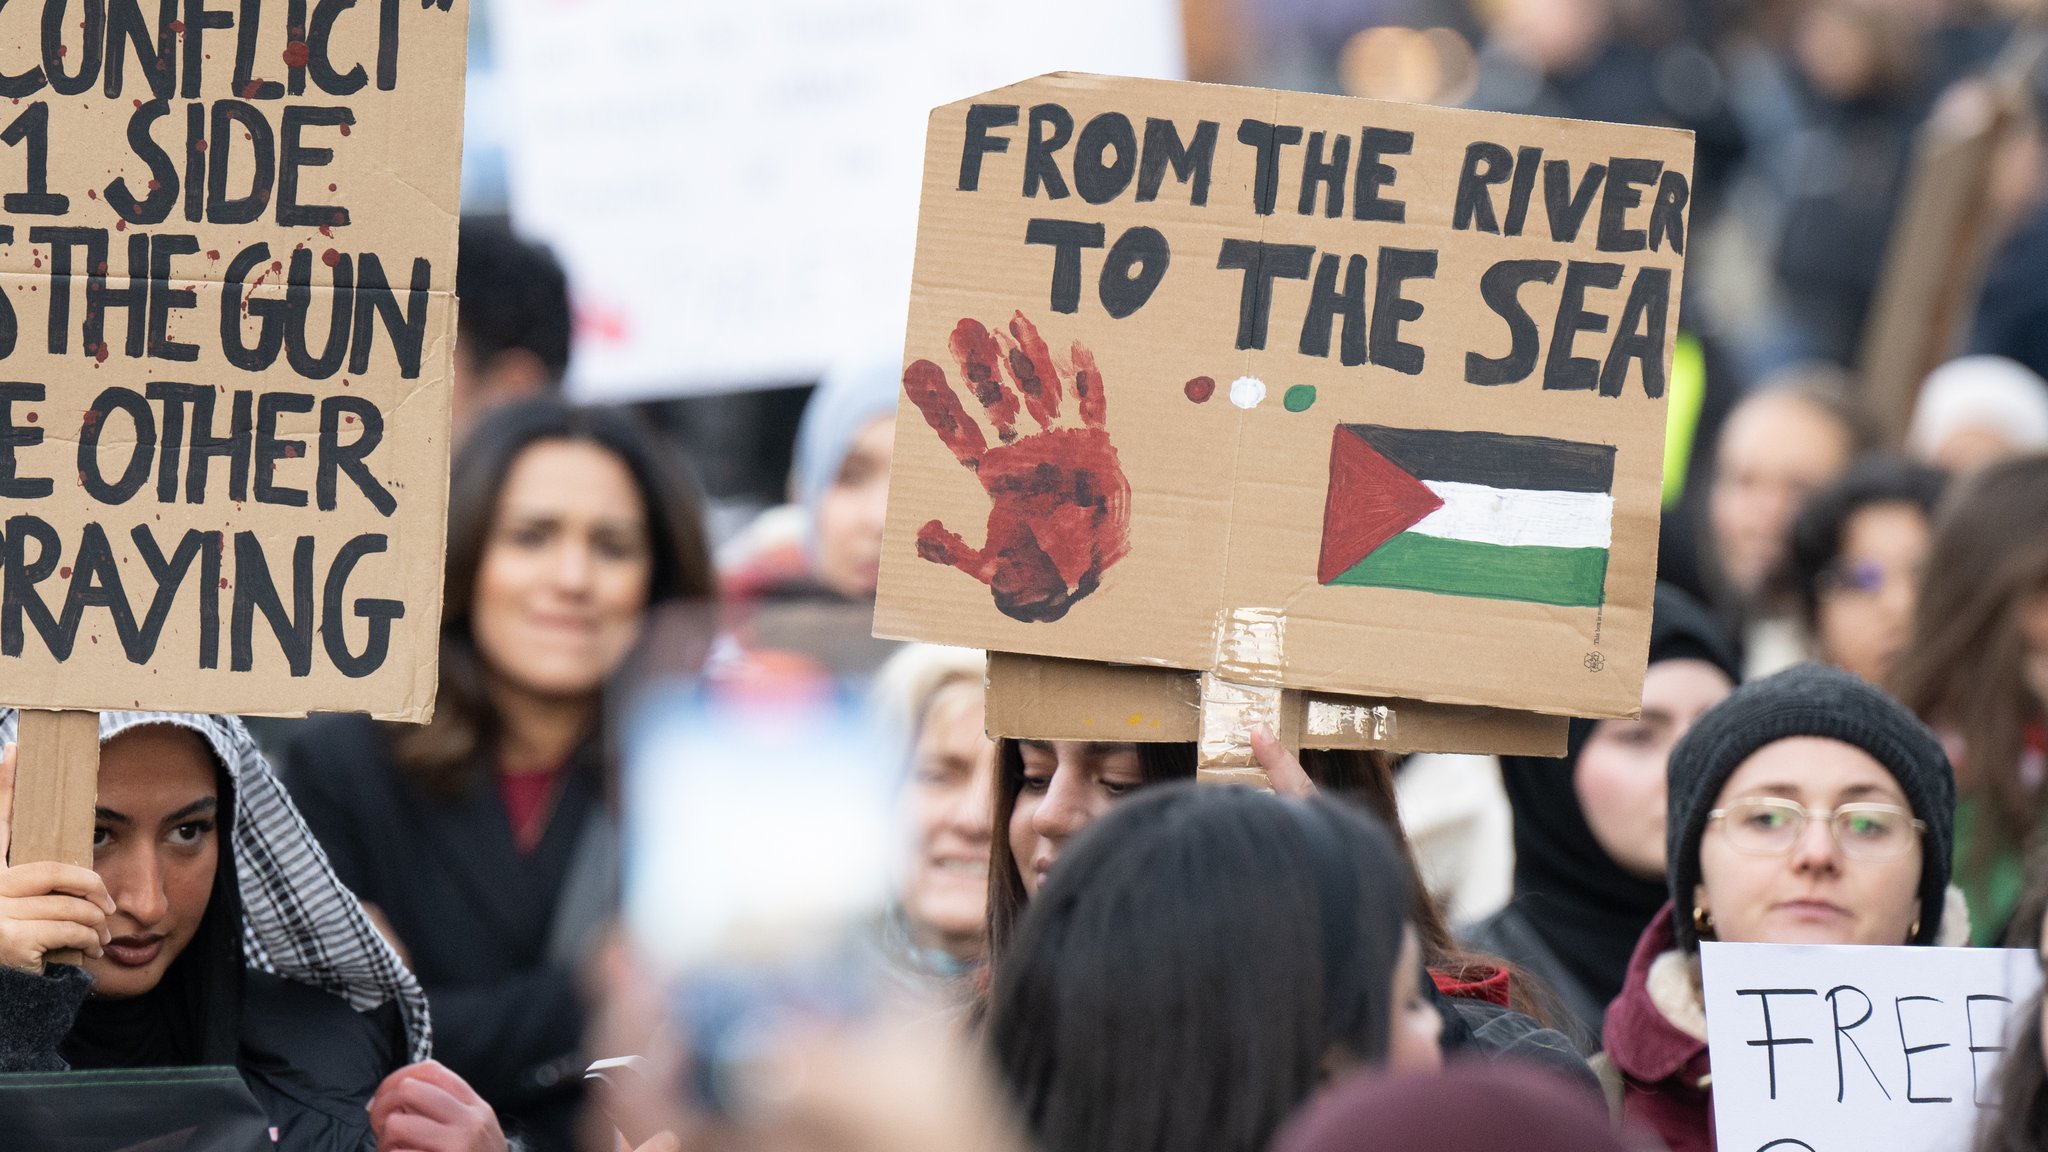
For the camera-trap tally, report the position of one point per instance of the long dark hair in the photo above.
(1366, 777)
(1965, 667)
(1186, 969)
(1817, 532)
(2021, 1122)
(446, 752)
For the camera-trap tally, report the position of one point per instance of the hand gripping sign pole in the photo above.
(56, 775)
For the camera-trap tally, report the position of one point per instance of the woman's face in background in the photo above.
(1813, 893)
(156, 843)
(1775, 449)
(563, 585)
(1867, 595)
(1068, 785)
(1620, 776)
(950, 798)
(853, 511)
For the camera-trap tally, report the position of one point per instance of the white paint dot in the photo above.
(1247, 391)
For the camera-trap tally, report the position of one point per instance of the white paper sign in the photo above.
(1847, 1049)
(734, 187)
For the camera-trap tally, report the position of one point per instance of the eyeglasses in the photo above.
(1865, 577)
(1770, 827)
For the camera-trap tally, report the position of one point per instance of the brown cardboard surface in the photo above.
(1046, 698)
(1152, 529)
(127, 326)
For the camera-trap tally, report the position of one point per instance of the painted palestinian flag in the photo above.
(1468, 514)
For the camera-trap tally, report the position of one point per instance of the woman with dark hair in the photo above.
(1977, 669)
(1857, 554)
(484, 837)
(214, 934)
(1589, 828)
(1203, 959)
(1048, 792)
(1807, 808)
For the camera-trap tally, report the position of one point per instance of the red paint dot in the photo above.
(120, 225)
(296, 54)
(1200, 389)
(344, 129)
(213, 253)
(92, 194)
(64, 573)
(31, 417)
(92, 417)
(223, 581)
(331, 258)
(199, 145)
(333, 187)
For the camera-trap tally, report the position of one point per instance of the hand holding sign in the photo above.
(45, 906)
(1061, 505)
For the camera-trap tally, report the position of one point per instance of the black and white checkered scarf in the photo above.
(298, 920)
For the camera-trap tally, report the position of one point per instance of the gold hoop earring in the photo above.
(1913, 933)
(1702, 921)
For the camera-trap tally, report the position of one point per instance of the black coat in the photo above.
(475, 913)
(309, 1060)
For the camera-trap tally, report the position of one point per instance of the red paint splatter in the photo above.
(327, 232)
(178, 26)
(31, 417)
(223, 581)
(277, 265)
(333, 187)
(249, 91)
(138, 101)
(64, 573)
(349, 419)
(296, 54)
(331, 258)
(344, 129)
(99, 352)
(152, 185)
(199, 145)
(213, 253)
(293, 451)
(1059, 513)
(120, 225)
(1200, 389)
(92, 417)
(92, 194)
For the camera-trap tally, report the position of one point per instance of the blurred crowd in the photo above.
(1843, 736)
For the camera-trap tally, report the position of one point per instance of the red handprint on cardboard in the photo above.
(1060, 512)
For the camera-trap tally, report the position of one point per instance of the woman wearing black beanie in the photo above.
(1589, 842)
(1808, 808)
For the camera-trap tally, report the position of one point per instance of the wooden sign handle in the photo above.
(56, 784)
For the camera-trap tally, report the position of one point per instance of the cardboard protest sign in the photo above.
(1839, 1049)
(1045, 698)
(227, 265)
(733, 187)
(1294, 391)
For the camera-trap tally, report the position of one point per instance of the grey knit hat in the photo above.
(1809, 700)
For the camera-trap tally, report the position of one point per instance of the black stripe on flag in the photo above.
(1492, 459)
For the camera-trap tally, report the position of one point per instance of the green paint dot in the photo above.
(1299, 397)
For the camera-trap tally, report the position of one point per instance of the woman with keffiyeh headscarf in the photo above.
(1589, 862)
(254, 957)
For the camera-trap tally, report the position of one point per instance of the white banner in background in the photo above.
(1849, 1049)
(733, 186)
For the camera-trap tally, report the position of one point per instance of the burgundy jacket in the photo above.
(1665, 1077)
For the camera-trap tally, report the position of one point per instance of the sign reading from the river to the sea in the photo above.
(1299, 390)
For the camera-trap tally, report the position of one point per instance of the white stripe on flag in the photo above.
(1516, 516)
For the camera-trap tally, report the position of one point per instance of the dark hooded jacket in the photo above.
(1576, 914)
